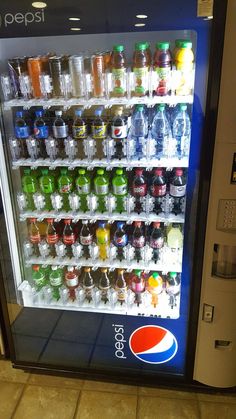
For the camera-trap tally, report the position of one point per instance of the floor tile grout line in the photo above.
(137, 407)
(77, 405)
(19, 400)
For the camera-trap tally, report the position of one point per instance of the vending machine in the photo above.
(107, 115)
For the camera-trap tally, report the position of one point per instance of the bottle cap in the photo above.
(178, 42)
(103, 269)
(138, 171)
(120, 271)
(36, 268)
(19, 114)
(44, 171)
(70, 268)
(54, 268)
(87, 269)
(49, 220)
(183, 106)
(139, 107)
(84, 221)
(67, 221)
(39, 113)
(33, 220)
(82, 172)
(156, 224)
(27, 171)
(64, 171)
(100, 172)
(186, 44)
(155, 275)
(101, 224)
(147, 44)
(162, 45)
(58, 113)
(120, 224)
(137, 272)
(158, 171)
(140, 46)
(173, 274)
(137, 223)
(178, 172)
(98, 112)
(161, 107)
(78, 112)
(119, 171)
(118, 48)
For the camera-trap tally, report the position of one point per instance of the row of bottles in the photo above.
(103, 241)
(133, 191)
(103, 74)
(161, 132)
(103, 287)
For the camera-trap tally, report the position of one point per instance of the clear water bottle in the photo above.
(182, 130)
(161, 130)
(139, 129)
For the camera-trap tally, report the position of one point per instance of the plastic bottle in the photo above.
(29, 187)
(56, 281)
(83, 185)
(178, 191)
(60, 131)
(119, 131)
(104, 284)
(118, 68)
(99, 126)
(101, 187)
(156, 240)
(175, 237)
(38, 277)
(184, 59)
(161, 130)
(68, 236)
(182, 130)
(154, 286)
(41, 131)
(138, 285)
(47, 187)
(65, 187)
(22, 132)
(33, 231)
(149, 54)
(140, 69)
(120, 240)
(158, 189)
(103, 239)
(139, 129)
(120, 189)
(79, 127)
(138, 240)
(173, 283)
(139, 189)
(162, 65)
(87, 283)
(121, 286)
(72, 281)
(51, 235)
(86, 238)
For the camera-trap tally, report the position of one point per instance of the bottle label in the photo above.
(158, 190)
(140, 190)
(56, 281)
(66, 188)
(177, 191)
(121, 293)
(60, 132)
(86, 240)
(137, 286)
(141, 80)
(52, 238)
(101, 189)
(40, 281)
(119, 132)
(156, 243)
(121, 241)
(22, 132)
(47, 188)
(99, 131)
(119, 80)
(41, 132)
(163, 73)
(29, 188)
(72, 281)
(103, 240)
(79, 132)
(139, 242)
(35, 238)
(69, 239)
(120, 189)
(83, 189)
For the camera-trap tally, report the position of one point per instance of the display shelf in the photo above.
(172, 266)
(87, 103)
(164, 307)
(129, 218)
(108, 164)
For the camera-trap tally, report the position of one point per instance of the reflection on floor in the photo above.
(24, 395)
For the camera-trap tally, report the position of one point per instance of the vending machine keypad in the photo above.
(226, 219)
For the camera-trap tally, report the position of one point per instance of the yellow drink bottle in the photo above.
(103, 239)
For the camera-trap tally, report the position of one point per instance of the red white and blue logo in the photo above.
(153, 344)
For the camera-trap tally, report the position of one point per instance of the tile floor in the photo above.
(31, 396)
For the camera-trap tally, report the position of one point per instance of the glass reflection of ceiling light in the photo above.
(141, 16)
(39, 4)
(209, 17)
(75, 29)
(74, 18)
(139, 24)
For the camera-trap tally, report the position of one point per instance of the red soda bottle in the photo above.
(158, 189)
(178, 190)
(139, 189)
(51, 234)
(86, 238)
(72, 281)
(156, 240)
(34, 234)
(137, 285)
(68, 236)
(138, 240)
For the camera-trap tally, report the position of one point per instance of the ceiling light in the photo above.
(74, 18)
(75, 29)
(141, 16)
(209, 17)
(39, 4)
(139, 24)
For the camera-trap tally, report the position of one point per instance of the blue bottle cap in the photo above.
(78, 112)
(98, 112)
(101, 224)
(39, 113)
(19, 114)
(120, 224)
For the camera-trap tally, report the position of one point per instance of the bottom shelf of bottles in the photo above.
(137, 292)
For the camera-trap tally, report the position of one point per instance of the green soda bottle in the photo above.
(83, 185)
(39, 278)
(29, 187)
(65, 187)
(56, 281)
(120, 189)
(101, 186)
(47, 187)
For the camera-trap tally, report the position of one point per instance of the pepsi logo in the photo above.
(118, 132)
(153, 344)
